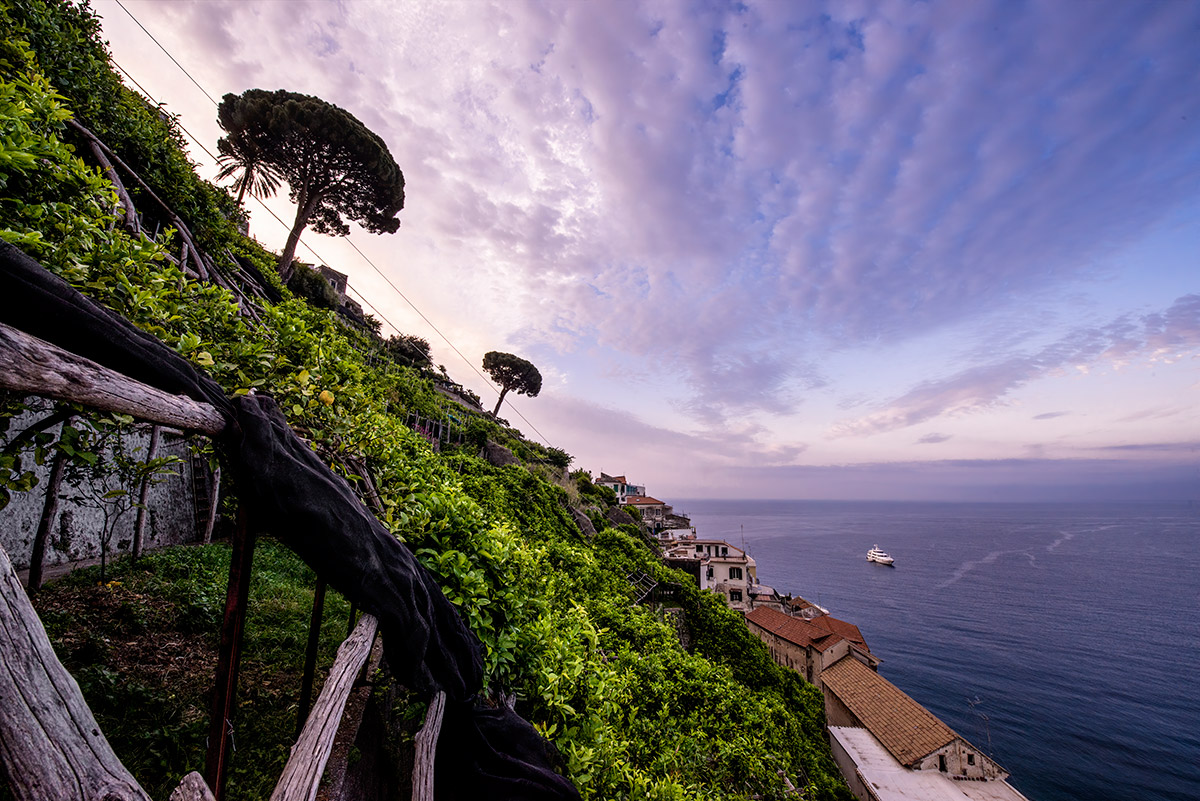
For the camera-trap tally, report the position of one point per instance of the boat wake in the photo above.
(966, 567)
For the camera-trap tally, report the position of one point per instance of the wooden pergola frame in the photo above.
(50, 743)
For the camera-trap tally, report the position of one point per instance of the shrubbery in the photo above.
(634, 714)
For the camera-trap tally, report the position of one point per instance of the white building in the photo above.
(724, 568)
(619, 485)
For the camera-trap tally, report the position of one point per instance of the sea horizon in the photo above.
(1038, 630)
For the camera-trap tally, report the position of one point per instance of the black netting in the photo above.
(483, 752)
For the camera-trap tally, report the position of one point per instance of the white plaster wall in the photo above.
(75, 536)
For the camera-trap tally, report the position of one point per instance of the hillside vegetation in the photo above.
(633, 713)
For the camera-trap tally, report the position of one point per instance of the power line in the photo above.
(301, 241)
(160, 47)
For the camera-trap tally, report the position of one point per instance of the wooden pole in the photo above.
(214, 497)
(302, 774)
(37, 557)
(426, 750)
(220, 728)
(34, 366)
(50, 744)
(139, 524)
(310, 654)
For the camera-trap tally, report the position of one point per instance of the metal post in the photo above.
(220, 727)
(310, 654)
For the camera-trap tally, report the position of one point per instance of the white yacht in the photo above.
(876, 555)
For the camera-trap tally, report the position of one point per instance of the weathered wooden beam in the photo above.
(302, 774)
(192, 788)
(50, 743)
(35, 367)
(426, 747)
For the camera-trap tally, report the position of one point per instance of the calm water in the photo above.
(1074, 626)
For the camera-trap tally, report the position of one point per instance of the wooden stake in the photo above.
(49, 511)
(214, 497)
(426, 747)
(220, 727)
(310, 654)
(139, 524)
(302, 775)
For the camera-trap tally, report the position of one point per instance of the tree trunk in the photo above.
(304, 210)
(139, 525)
(49, 512)
(500, 400)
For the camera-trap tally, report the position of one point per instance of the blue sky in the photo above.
(773, 249)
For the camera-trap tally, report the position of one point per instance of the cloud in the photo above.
(1050, 415)
(733, 190)
(1096, 480)
(984, 386)
(934, 439)
(743, 181)
(615, 441)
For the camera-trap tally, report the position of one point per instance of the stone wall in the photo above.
(75, 533)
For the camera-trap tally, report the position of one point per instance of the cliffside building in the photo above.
(619, 485)
(809, 646)
(717, 566)
(890, 748)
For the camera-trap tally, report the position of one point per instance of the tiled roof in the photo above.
(820, 635)
(840, 627)
(793, 629)
(906, 729)
(635, 500)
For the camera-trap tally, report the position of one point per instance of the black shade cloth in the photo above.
(38, 302)
(289, 491)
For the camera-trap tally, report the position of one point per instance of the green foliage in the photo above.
(309, 284)
(633, 713)
(334, 165)
(512, 373)
(409, 350)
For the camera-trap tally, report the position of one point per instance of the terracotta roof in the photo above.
(636, 500)
(840, 627)
(906, 729)
(793, 629)
(819, 632)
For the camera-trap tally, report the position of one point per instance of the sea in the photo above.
(1062, 639)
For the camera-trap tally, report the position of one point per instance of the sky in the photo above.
(767, 249)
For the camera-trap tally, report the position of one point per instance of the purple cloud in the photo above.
(981, 387)
(740, 192)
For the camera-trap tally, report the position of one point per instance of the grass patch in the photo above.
(143, 647)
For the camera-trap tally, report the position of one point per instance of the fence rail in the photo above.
(53, 746)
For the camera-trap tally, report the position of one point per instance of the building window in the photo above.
(735, 572)
(735, 595)
(942, 762)
(970, 759)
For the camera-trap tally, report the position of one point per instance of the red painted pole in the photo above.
(220, 728)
